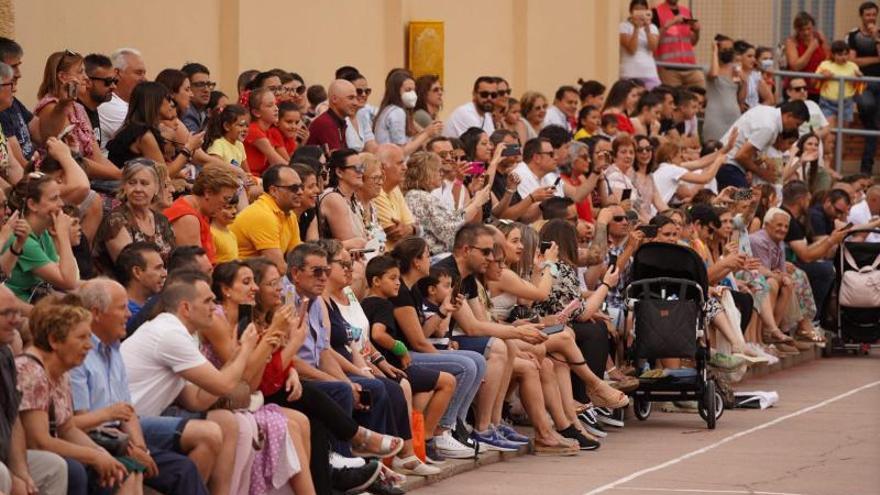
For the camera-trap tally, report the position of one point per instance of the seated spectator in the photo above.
(621, 102)
(141, 270)
(99, 387)
(328, 129)
(394, 215)
(591, 93)
(46, 260)
(268, 227)
(130, 70)
(214, 188)
(196, 116)
(394, 122)
(11, 166)
(98, 88)
(678, 181)
(224, 139)
(533, 107)
(589, 122)
(619, 175)
(429, 101)
(259, 146)
(438, 223)
(452, 192)
(866, 213)
(476, 113)
(537, 175)
(339, 213)
(644, 167)
(500, 102)
(135, 219)
(18, 122)
(289, 130)
(359, 130)
(374, 178)
(22, 470)
(563, 112)
(684, 117)
(224, 239)
(61, 340)
(646, 119)
(305, 211)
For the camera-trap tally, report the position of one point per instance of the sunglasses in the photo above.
(108, 81)
(298, 90)
(320, 271)
(67, 53)
(619, 218)
(504, 92)
(359, 168)
(346, 265)
(294, 188)
(488, 94)
(644, 149)
(204, 84)
(486, 251)
(361, 91)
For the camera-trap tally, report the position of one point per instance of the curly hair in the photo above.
(420, 167)
(54, 317)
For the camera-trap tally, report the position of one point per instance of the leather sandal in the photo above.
(388, 446)
(606, 396)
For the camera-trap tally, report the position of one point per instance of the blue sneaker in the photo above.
(511, 435)
(491, 440)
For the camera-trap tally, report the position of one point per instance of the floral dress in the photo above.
(566, 289)
(122, 218)
(439, 223)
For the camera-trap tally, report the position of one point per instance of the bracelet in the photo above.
(378, 360)
(531, 198)
(399, 349)
(441, 314)
(605, 284)
(13, 251)
(511, 191)
(185, 152)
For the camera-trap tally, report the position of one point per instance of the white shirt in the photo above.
(154, 357)
(667, 177)
(445, 196)
(465, 117)
(641, 64)
(860, 214)
(528, 181)
(555, 116)
(112, 115)
(759, 126)
(616, 180)
(817, 119)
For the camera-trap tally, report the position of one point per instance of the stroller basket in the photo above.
(667, 320)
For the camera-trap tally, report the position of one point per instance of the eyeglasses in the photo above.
(378, 179)
(445, 155)
(361, 91)
(320, 271)
(504, 92)
(488, 94)
(294, 188)
(359, 168)
(275, 89)
(298, 90)
(67, 53)
(619, 218)
(644, 149)
(108, 81)
(204, 84)
(486, 251)
(346, 265)
(797, 88)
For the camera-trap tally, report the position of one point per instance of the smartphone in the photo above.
(557, 181)
(361, 251)
(545, 245)
(366, 398)
(456, 290)
(690, 21)
(476, 168)
(612, 260)
(848, 226)
(553, 329)
(626, 194)
(567, 311)
(511, 150)
(72, 90)
(649, 230)
(245, 317)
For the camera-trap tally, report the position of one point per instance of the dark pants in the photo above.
(592, 339)
(745, 304)
(177, 474)
(328, 420)
(388, 414)
(731, 175)
(868, 103)
(83, 481)
(821, 277)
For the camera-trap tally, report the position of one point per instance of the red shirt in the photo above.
(276, 136)
(819, 55)
(255, 158)
(584, 207)
(181, 208)
(328, 128)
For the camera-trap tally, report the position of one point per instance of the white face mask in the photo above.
(767, 64)
(409, 99)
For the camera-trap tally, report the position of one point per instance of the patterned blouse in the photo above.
(121, 217)
(82, 134)
(566, 288)
(438, 222)
(38, 391)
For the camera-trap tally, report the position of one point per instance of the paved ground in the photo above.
(822, 438)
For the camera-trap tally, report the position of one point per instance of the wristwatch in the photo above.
(554, 270)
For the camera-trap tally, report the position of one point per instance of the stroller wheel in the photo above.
(642, 409)
(711, 405)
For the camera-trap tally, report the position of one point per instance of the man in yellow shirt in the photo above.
(269, 226)
(394, 215)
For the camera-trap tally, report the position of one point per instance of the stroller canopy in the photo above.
(658, 259)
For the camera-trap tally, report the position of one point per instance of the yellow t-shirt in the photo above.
(830, 89)
(225, 243)
(263, 225)
(581, 134)
(230, 152)
(392, 206)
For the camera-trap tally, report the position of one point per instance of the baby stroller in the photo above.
(667, 296)
(858, 289)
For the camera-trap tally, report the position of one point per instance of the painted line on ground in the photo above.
(702, 490)
(703, 450)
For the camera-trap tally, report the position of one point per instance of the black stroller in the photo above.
(858, 322)
(667, 295)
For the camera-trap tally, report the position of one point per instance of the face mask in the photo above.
(725, 56)
(409, 99)
(767, 64)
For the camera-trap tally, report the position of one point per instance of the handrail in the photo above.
(839, 131)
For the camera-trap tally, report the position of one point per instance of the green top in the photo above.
(37, 251)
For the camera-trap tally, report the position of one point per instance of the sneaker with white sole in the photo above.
(451, 448)
(610, 417)
(591, 423)
(491, 440)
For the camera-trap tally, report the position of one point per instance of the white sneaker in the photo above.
(340, 462)
(452, 448)
(757, 349)
(416, 466)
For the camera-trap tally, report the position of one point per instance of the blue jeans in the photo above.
(468, 368)
(821, 277)
(731, 175)
(868, 103)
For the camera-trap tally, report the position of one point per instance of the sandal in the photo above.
(414, 466)
(777, 337)
(606, 396)
(388, 446)
(812, 336)
(547, 449)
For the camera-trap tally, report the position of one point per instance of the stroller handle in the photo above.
(683, 282)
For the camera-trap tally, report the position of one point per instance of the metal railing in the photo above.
(839, 130)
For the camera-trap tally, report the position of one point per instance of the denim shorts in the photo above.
(829, 108)
(163, 432)
(479, 345)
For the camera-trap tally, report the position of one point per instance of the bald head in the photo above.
(393, 164)
(342, 97)
(97, 293)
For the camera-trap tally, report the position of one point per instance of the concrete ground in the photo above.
(823, 437)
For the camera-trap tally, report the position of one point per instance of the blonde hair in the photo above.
(213, 178)
(53, 317)
(667, 151)
(420, 167)
(135, 166)
(528, 100)
(56, 63)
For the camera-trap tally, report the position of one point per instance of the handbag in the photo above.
(110, 439)
(860, 287)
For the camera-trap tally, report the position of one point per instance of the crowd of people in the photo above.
(275, 288)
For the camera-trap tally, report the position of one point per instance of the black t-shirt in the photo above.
(409, 297)
(468, 284)
(499, 188)
(379, 310)
(340, 333)
(305, 221)
(821, 224)
(95, 121)
(864, 46)
(796, 230)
